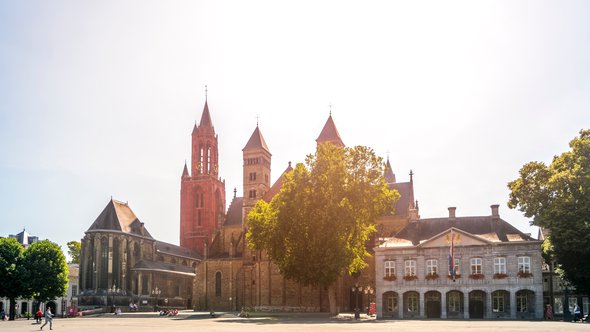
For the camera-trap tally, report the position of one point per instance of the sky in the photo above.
(98, 99)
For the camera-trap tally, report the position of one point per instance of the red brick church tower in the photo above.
(202, 192)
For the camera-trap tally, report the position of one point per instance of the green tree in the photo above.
(558, 198)
(74, 248)
(46, 269)
(316, 229)
(11, 273)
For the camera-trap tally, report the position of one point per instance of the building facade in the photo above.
(121, 263)
(232, 276)
(497, 270)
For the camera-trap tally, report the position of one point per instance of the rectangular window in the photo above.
(521, 302)
(497, 302)
(410, 267)
(199, 217)
(389, 268)
(476, 266)
(391, 303)
(431, 267)
(524, 264)
(74, 290)
(499, 265)
(413, 302)
(454, 302)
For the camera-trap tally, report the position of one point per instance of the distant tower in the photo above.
(202, 193)
(257, 159)
(330, 133)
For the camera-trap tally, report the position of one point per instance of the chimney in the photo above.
(452, 213)
(495, 214)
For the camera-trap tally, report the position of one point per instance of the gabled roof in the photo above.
(234, 212)
(172, 249)
(330, 133)
(118, 216)
(489, 228)
(276, 187)
(164, 267)
(256, 142)
(406, 199)
(388, 173)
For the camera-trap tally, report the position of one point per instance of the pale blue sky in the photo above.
(99, 98)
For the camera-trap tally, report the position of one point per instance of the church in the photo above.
(213, 268)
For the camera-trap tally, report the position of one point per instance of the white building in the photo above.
(498, 270)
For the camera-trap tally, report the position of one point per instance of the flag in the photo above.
(452, 256)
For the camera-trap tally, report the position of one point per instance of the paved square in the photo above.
(195, 321)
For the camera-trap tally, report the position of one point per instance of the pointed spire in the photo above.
(388, 173)
(185, 171)
(256, 141)
(330, 133)
(206, 117)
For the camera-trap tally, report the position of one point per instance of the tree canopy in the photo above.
(46, 270)
(11, 272)
(39, 272)
(74, 248)
(558, 198)
(316, 228)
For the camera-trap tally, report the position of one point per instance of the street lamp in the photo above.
(566, 305)
(112, 291)
(369, 291)
(156, 291)
(356, 289)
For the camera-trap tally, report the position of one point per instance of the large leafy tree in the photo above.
(557, 196)
(316, 229)
(74, 248)
(46, 269)
(11, 272)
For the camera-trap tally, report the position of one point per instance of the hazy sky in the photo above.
(98, 99)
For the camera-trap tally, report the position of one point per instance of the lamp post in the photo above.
(357, 289)
(369, 291)
(156, 291)
(112, 291)
(566, 304)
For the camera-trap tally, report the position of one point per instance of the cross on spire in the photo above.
(330, 109)
(206, 92)
(257, 118)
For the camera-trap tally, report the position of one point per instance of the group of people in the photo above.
(577, 312)
(132, 306)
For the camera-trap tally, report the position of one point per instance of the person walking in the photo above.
(548, 312)
(48, 318)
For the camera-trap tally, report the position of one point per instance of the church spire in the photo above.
(185, 171)
(256, 141)
(206, 117)
(330, 133)
(388, 173)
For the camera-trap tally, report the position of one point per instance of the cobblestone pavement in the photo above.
(195, 321)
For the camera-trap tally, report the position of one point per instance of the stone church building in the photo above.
(213, 268)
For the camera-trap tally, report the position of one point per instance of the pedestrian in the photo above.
(548, 312)
(48, 318)
(38, 316)
(576, 312)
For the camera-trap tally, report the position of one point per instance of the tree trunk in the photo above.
(332, 299)
(12, 308)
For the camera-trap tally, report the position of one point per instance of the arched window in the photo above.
(104, 263)
(208, 159)
(201, 159)
(218, 284)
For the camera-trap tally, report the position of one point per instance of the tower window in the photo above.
(199, 217)
(253, 176)
(252, 194)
